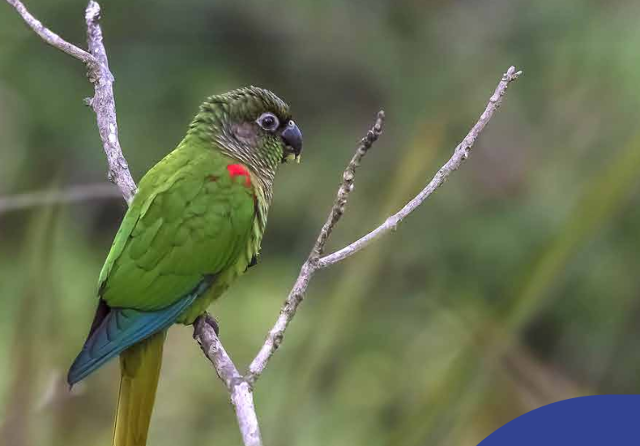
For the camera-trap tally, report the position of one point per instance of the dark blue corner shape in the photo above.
(586, 421)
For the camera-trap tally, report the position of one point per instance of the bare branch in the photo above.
(460, 154)
(314, 262)
(72, 194)
(50, 37)
(104, 105)
(240, 390)
(347, 186)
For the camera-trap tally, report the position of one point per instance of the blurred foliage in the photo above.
(513, 287)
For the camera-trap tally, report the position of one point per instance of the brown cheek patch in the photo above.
(245, 132)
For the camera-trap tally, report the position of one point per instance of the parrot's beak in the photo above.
(292, 138)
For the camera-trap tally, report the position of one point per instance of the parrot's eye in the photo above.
(268, 121)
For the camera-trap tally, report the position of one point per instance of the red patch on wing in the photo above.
(239, 170)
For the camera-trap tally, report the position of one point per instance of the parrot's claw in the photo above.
(206, 318)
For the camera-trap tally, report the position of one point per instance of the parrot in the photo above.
(193, 227)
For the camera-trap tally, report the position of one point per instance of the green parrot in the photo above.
(194, 226)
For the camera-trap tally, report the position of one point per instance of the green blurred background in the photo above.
(515, 286)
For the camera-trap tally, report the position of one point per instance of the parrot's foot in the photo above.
(206, 318)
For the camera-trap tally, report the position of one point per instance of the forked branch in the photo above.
(314, 262)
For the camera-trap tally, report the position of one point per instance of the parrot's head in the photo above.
(252, 125)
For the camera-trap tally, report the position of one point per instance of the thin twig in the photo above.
(348, 177)
(275, 335)
(460, 154)
(72, 194)
(50, 37)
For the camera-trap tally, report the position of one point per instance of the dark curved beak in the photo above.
(292, 138)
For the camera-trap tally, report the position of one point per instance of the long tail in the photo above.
(139, 373)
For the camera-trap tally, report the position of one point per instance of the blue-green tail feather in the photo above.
(120, 328)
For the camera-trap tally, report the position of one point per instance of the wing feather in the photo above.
(180, 227)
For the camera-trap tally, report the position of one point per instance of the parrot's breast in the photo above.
(246, 198)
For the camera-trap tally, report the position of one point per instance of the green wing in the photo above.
(188, 219)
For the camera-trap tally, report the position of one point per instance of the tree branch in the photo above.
(71, 194)
(460, 154)
(104, 105)
(314, 262)
(240, 390)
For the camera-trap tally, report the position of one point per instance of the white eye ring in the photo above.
(268, 121)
